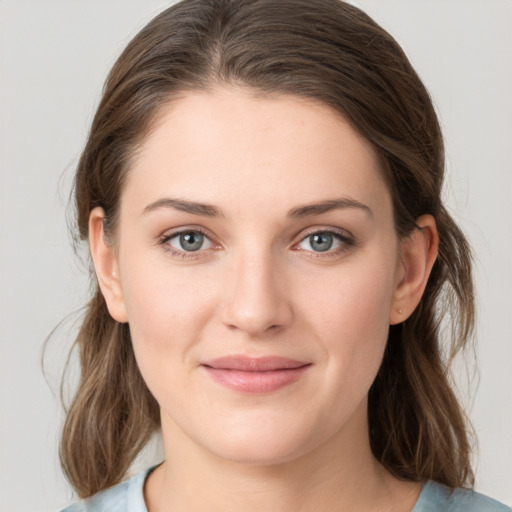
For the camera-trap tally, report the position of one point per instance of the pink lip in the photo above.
(255, 374)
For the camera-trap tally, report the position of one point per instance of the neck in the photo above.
(341, 474)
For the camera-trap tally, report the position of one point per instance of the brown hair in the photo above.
(324, 50)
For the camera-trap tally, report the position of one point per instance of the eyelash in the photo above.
(164, 242)
(346, 242)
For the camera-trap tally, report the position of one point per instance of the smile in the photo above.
(255, 375)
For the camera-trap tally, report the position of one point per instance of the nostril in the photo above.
(253, 301)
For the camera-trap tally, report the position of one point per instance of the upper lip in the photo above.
(254, 364)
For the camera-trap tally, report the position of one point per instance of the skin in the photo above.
(258, 287)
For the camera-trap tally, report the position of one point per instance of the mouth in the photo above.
(255, 375)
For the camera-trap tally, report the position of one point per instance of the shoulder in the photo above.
(435, 497)
(128, 496)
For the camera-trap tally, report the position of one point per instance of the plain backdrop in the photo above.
(54, 58)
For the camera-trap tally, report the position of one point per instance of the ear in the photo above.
(418, 254)
(106, 266)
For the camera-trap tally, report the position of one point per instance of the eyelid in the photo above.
(342, 233)
(169, 234)
(346, 239)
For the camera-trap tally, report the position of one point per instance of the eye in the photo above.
(329, 242)
(188, 241)
(320, 242)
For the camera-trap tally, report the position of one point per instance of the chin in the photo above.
(263, 443)
(258, 453)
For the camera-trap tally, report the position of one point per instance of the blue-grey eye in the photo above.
(189, 241)
(322, 241)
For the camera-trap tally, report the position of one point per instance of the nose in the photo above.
(256, 301)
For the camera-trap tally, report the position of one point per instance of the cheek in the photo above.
(167, 310)
(351, 317)
(354, 300)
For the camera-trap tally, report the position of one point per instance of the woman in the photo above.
(261, 195)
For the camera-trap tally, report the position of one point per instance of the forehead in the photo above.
(229, 143)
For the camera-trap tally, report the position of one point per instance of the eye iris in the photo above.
(191, 241)
(321, 242)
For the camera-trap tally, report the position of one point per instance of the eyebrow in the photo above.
(208, 210)
(205, 210)
(326, 206)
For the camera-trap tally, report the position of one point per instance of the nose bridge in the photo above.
(257, 301)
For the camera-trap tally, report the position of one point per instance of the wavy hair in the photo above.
(331, 52)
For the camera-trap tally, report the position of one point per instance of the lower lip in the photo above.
(256, 382)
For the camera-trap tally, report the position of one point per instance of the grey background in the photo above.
(54, 56)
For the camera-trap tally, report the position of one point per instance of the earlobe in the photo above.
(418, 255)
(106, 266)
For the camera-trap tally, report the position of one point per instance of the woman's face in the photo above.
(258, 269)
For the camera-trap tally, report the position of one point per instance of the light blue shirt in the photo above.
(128, 496)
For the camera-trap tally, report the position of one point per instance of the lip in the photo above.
(255, 375)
